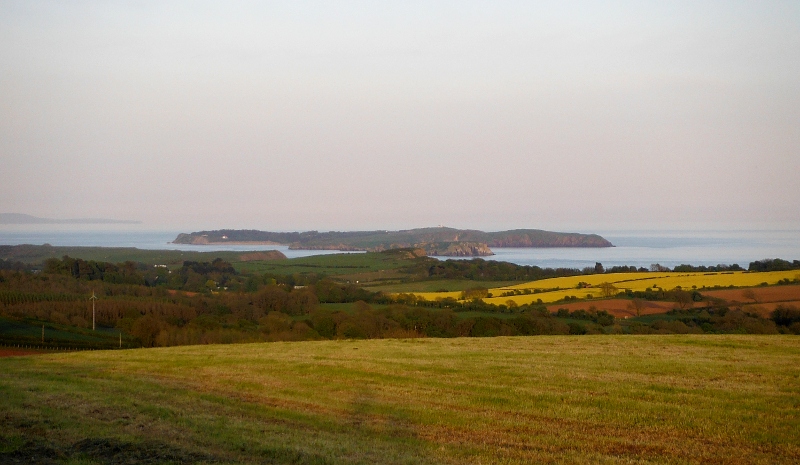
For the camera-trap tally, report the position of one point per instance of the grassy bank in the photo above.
(606, 399)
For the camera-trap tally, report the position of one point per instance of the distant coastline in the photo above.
(439, 241)
(669, 248)
(21, 218)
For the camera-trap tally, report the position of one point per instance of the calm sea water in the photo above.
(150, 240)
(668, 248)
(638, 248)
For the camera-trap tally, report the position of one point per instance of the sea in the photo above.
(640, 248)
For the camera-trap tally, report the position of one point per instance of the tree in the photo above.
(636, 305)
(271, 299)
(474, 293)
(301, 302)
(750, 294)
(146, 329)
(683, 299)
(786, 315)
(607, 289)
(775, 264)
(598, 267)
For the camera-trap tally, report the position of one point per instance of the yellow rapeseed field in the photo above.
(554, 289)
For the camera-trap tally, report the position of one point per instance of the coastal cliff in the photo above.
(442, 249)
(458, 249)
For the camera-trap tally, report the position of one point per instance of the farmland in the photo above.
(293, 300)
(594, 399)
(35, 254)
(385, 377)
(586, 286)
(370, 265)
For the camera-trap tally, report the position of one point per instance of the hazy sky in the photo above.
(356, 114)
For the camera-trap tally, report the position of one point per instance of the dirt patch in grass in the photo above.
(102, 450)
(13, 352)
(117, 452)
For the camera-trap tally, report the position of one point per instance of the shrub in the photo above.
(576, 328)
(785, 315)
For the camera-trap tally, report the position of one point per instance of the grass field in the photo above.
(38, 253)
(331, 265)
(347, 307)
(580, 399)
(567, 286)
(374, 267)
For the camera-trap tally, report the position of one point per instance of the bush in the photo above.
(576, 328)
(785, 315)
(146, 329)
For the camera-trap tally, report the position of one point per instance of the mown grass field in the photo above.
(546, 399)
(567, 286)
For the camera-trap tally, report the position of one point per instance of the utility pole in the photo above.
(42, 334)
(93, 298)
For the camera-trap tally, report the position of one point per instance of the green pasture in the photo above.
(473, 314)
(330, 264)
(544, 399)
(347, 307)
(35, 254)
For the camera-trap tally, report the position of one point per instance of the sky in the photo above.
(347, 115)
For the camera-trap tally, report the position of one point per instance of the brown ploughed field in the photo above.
(789, 293)
(617, 307)
(766, 299)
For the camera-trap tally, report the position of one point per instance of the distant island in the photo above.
(21, 218)
(441, 241)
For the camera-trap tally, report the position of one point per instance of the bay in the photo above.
(639, 248)
(667, 248)
(147, 240)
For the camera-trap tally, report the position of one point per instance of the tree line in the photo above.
(489, 270)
